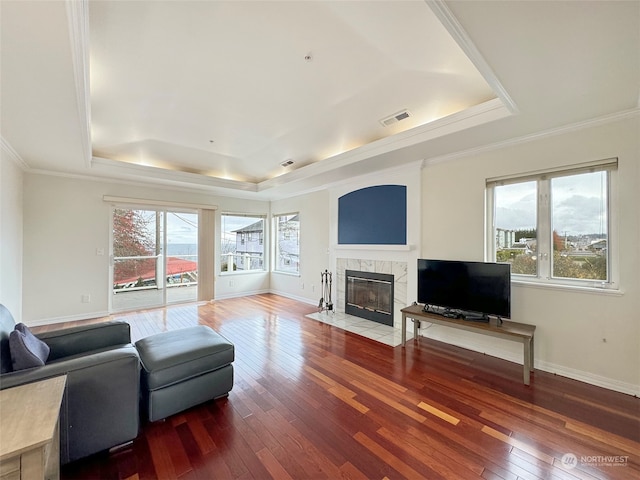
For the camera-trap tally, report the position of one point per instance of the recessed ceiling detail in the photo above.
(146, 84)
(163, 74)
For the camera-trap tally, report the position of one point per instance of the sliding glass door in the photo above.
(155, 258)
(182, 257)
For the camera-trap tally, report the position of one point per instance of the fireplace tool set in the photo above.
(325, 300)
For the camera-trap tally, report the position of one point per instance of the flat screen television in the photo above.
(465, 289)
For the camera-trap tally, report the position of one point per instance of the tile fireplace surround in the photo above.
(397, 269)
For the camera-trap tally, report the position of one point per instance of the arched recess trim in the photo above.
(373, 216)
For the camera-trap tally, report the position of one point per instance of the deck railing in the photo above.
(242, 261)
(155, 281)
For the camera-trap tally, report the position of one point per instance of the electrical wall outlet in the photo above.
(86, 298)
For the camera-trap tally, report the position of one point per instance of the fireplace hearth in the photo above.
(369, 295)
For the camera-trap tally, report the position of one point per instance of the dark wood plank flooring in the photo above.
(311, 401)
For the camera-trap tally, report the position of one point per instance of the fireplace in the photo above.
(369, 295)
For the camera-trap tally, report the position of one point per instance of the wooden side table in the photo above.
(29, 430)
(518, 332)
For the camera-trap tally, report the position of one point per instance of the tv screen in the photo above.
(479, 287)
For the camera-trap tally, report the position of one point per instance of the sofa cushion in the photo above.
(26, 350)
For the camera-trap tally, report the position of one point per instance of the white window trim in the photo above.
(275, 262)
(265, 250)
(544, 278)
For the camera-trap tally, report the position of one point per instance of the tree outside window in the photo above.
(134, 237)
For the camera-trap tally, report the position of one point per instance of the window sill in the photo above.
(289, 274)
(391, 248)
(241, 272)
(569, 288)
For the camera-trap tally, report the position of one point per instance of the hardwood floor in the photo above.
(311, 401)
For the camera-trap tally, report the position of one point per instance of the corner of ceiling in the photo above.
(9, 152)
(460, 36)
(78, 22)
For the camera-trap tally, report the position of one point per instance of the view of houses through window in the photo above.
(287, 247)
(242, 243)
(554, 226)
(243, 240)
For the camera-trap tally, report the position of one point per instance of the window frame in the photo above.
(544, 225)
(276, 249)
(244, 238)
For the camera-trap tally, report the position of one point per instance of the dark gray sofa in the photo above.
(100, 407)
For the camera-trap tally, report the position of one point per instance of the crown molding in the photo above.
(145, 183)
(12, 155)
(573, 127)
(78, 22)
(477, 115)
(114, 199)
(108, 166)
(455, 29)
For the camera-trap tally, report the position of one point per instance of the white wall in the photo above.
(314, 246)
(571, 325)
(66, 221)
(11, 236)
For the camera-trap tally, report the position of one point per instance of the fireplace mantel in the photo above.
(386, 248)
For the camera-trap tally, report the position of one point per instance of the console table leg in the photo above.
(531, 353)
(404, 329)
(528, 365)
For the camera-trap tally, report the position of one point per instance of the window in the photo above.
(554, 227)
(287, 243)
(240, 247)
(155, 257)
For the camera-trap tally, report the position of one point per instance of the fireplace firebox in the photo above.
(369, 295)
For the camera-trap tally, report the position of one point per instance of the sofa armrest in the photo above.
(67, 366)
(100, 408)
(67, 342)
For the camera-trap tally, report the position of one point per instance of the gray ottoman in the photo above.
(183, 368)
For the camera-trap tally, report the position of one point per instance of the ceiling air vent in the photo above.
(286, 163)
(396, 117)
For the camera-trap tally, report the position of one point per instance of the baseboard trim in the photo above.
(240, 294)
(574, 374)
(294, 297)
(590, 378)
(70, 318)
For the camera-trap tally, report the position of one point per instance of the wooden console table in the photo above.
(30, 440)
(518, 332)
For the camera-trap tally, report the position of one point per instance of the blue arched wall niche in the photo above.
(373, 216)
